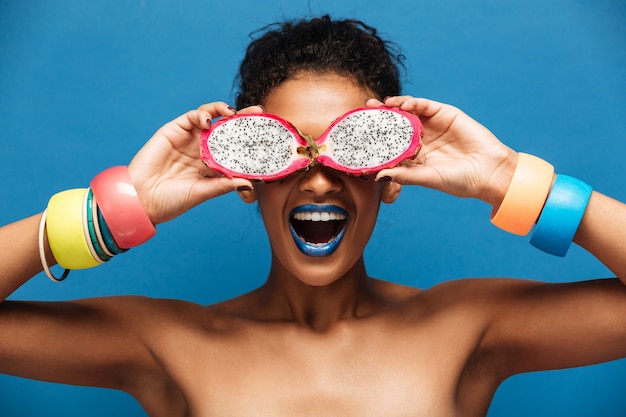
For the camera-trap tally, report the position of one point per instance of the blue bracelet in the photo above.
(561, 215)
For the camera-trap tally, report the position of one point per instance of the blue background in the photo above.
(84, 84)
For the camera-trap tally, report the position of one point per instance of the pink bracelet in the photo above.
(121, 208)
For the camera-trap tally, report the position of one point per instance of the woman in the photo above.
(321, 337)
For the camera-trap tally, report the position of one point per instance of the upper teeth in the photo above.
(317, 216)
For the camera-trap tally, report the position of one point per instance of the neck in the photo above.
(286, 298)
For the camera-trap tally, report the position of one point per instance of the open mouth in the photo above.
(318, 229)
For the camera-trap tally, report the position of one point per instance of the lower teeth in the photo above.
(319, 244)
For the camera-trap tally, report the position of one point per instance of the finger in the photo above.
(373, 102)
(205, 171)
(213, 187)
(217, 108)
(202, 117)
(419, 106)
(396, 101)
(408, 175)
(252, 110)
(207, 112)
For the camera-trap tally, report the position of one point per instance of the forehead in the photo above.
(312, 101)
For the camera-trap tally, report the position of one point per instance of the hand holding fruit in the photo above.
(169, 176)
(459, 156)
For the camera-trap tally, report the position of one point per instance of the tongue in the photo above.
(317, 232)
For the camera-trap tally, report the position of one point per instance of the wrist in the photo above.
(86, 227)
(500, 179)
(549, 204)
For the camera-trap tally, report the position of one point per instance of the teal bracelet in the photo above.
(91, 225)
(107, 237)
(561, 215)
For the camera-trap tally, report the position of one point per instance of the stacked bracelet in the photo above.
(65, 225)
(121, 208)
(100, 249)
(525, 196)
(105, 233)
(82, 234)
(556, 207)
(42, 252)
(561, 215)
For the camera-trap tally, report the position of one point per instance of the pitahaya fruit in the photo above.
(368, 140)
(265, 147)
(254, 146)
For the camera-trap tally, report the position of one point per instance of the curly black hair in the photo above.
(319, 45)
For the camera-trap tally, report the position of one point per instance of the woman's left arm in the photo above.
(527, 325)
(602, 232)
(461, 157)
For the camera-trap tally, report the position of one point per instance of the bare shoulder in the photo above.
(156, 314)
(479, 293)
(508, 293)
(145, 318)
(524, 325)
(471, 306)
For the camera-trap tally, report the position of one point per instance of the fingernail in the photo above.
(232, 109)
(208, 122)
(384, 179)
(262, 108)
(244, 188)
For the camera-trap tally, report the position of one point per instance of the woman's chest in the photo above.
(297, 373)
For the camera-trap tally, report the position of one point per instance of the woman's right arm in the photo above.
(168, 175)
(85, 342)
(19, 254)
(99, 341)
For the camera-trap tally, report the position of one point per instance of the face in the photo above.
(320, 220)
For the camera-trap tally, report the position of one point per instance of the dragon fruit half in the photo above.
(266, 147)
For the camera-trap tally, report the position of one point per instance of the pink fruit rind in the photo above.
(410, 151)
(297, 161)
(318, 151)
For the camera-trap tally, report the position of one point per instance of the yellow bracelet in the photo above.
(66, 232)
(526, 195)
(42, 252)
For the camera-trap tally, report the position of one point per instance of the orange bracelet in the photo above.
(526, 195)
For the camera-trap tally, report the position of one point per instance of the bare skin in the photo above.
(321, 337)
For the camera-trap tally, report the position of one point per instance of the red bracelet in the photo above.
(121, 208)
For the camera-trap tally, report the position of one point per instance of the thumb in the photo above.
(209, 188)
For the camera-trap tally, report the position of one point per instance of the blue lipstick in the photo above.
(318, 213)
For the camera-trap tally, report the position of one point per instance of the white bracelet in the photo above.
(42, 253)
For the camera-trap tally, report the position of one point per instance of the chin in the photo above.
(318, 281)
(315, 275)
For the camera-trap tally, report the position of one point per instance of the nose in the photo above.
(320, 181)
